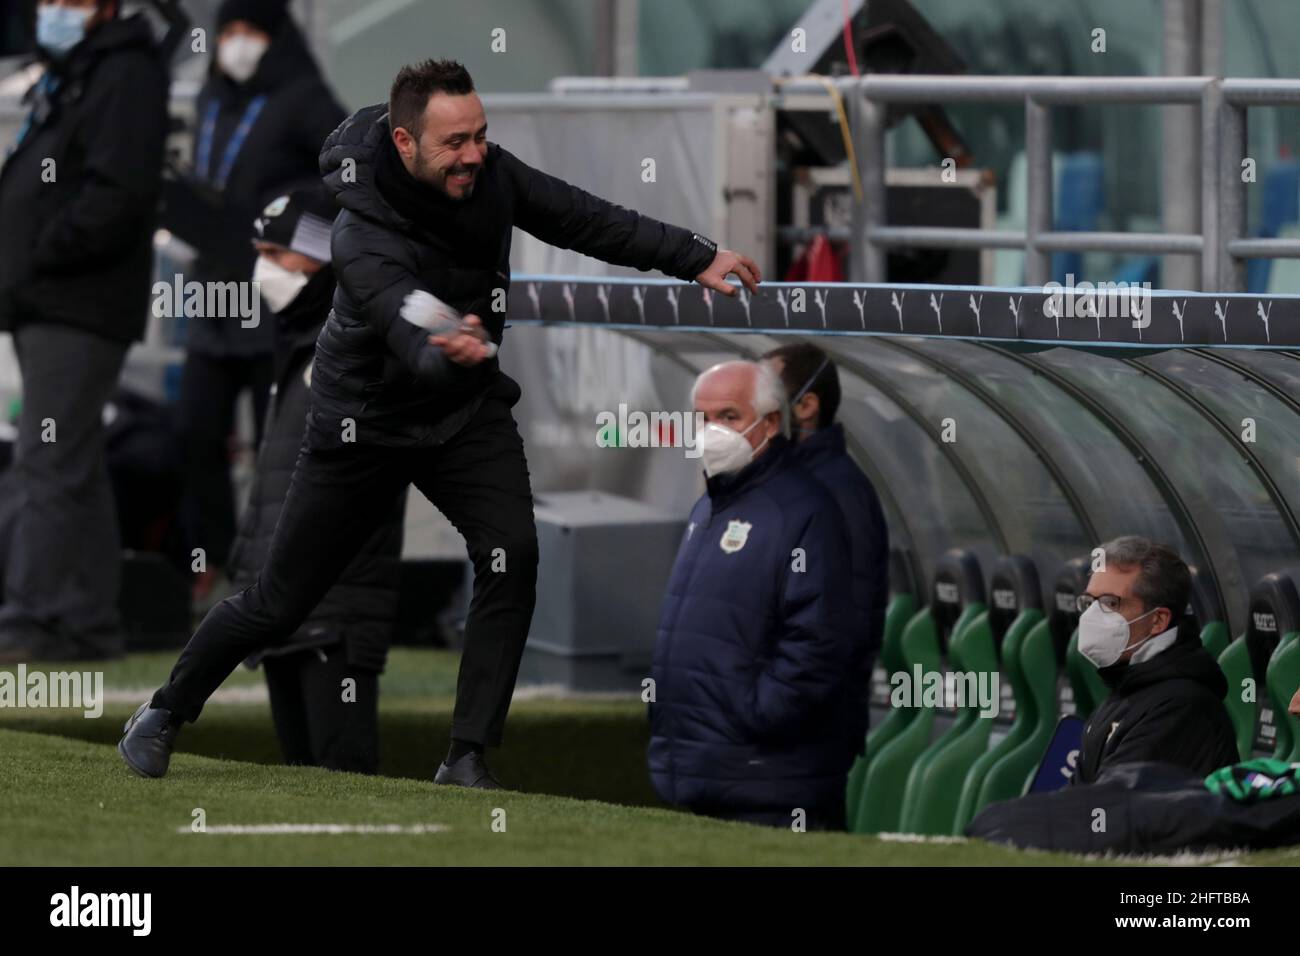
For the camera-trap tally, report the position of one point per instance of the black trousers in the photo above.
(210, 387)
(319, 721)
(478, 479)
(64, 563)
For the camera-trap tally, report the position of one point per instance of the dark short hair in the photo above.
(415, 83)
(1163, 577)
(799, 362)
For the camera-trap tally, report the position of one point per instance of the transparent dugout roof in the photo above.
(1049, 452)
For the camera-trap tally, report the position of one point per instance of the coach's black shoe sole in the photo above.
(149, 737)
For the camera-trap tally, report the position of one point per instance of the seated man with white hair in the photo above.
(749, 719)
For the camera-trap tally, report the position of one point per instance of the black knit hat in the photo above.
(268, 15)
(299, 221)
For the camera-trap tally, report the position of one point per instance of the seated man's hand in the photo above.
(1294, 707)
(726, 263)
(468, 345)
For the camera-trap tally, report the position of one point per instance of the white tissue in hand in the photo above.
(432, 314)
(429, 312)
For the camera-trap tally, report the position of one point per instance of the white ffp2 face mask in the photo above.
(239, 56)
(278, 285)
(724, 450)
(1103, 634)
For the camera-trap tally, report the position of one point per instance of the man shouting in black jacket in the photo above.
(428, 206)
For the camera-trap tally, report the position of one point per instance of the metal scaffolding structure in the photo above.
(1221, 244)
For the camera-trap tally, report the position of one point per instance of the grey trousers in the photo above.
(64, 564)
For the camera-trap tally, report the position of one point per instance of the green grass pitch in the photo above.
(67, 799)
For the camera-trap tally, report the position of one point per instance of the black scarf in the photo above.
(417, 201)
(472, 231)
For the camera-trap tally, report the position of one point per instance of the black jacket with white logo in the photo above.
(1168, 709)
(377, 369)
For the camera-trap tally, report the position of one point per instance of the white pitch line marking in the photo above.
(250, 694)
(257, 694)
(919, 838)
(237, 829)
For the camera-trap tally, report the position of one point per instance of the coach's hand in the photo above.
(727, 263)
(468, 346)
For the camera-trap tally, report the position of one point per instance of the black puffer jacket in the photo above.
(825, 454)
(1168, 709)
(78, 250)
(299, 325)
(278, 155)
(378, 370)
(361, 608)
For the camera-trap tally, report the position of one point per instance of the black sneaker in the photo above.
(147, 744)
(469, 771)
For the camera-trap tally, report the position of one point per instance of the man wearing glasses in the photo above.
(1166, 689)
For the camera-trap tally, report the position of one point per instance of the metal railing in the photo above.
(1221, 243)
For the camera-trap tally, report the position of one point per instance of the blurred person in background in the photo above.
(261, 118)
(812, 383)
(423, 243)
(319, 720)
(752, 714)
(79, 194)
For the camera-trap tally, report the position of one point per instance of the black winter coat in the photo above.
(78, 250)
(1149, 808)
(754, 642)
(278, 155)
(825, 455)
(360, 609)
(1168, 709)
(377, 369)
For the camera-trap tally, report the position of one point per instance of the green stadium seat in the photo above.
(1062, 619)
(1215, 637)
(934, 783)
(957, 600)
(1283, 678)
(1235, 664)
(902, 608)
(1036, 712)
(1205, 614)
(1014, 613)
(1261, 727)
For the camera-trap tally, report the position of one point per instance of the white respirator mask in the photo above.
(239, 56)
(1103, 634)
(724, 450)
